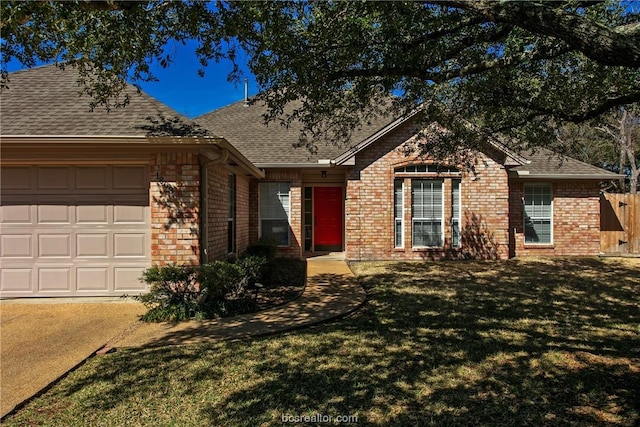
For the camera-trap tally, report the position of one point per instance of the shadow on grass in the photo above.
(541, 342)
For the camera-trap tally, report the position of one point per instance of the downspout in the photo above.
(204, 189)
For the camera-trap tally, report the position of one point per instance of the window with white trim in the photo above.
(398, 209)
(274, 211)
(430, 168)
(538, 214)
(427, 213)
(455, 213)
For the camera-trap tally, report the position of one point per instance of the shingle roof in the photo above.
(45, 101)
(243, 126)
(544, 163)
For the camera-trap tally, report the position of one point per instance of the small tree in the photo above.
(624, 132)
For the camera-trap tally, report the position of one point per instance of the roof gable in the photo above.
(272, 144)
(508, 156)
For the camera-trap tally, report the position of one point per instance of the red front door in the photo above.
(327, 213)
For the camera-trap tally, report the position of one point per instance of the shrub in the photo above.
(265, 247)
(173, 293)
(217, 279)
(219, 288)
(252, 268)
(225, 285)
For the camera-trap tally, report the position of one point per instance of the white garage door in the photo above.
(73, 230)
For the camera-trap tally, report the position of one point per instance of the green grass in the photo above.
(535, 342)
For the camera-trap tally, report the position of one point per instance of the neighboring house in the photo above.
(91, 199)
(375, 203)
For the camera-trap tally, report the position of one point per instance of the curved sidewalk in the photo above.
(331, 291)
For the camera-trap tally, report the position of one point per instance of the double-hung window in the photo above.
(538, 214)
(455, 213)
(427, 212)
(274, 211)
(398, 212)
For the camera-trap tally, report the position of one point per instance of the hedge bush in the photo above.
(182, 292)
(173, 295)
(216, 289)
(265, 247)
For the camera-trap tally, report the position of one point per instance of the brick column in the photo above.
(175, 207)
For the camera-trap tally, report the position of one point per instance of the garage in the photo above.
(74, 230)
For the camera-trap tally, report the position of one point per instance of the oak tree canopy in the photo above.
(478, 67)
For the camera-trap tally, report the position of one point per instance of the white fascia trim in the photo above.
(171, 141)
(111, 139)
(527, 175)
(293, 165)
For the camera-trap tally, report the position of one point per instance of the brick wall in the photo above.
(175, 206)
(369, 206)
(242, 213)
(217, 211)
(175, 210)
(485, 211)
(576, 220)
(254, 212)
(492, 214)
(294, 178)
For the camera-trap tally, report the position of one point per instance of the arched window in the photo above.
(430, 168)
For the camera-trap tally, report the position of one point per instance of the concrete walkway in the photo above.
(331, 291)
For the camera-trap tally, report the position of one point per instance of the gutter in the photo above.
(320, 164)
(138, 141)
(238, 157)
(527, 175)
(110, 139)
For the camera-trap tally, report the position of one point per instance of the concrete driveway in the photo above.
(41, 342)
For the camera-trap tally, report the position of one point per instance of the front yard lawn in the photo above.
(519, 342)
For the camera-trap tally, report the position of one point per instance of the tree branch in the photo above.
(445, 31)
(594, 40)
(441, 77)
(582, 116)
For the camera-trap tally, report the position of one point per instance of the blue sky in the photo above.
(180, 87)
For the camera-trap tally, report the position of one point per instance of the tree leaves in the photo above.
(514, 69)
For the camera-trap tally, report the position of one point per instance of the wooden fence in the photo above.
(620, 223)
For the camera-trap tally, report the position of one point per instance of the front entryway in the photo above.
(327, 218)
